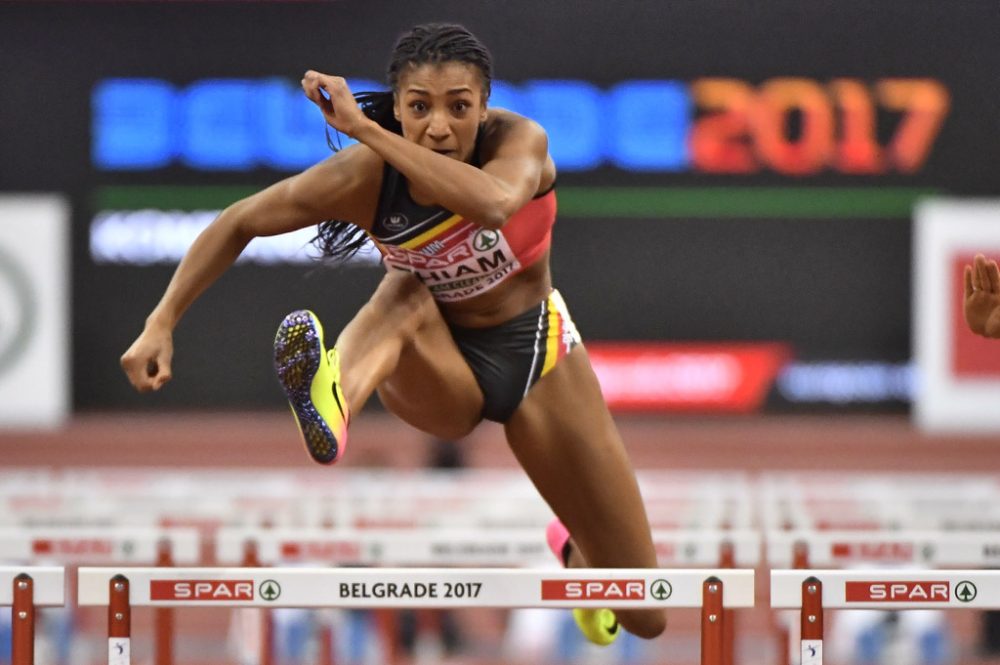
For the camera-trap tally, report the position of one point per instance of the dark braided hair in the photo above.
(430, 43)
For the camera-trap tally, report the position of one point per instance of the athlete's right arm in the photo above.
(345, 186)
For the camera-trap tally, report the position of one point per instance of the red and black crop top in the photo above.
(456, 258)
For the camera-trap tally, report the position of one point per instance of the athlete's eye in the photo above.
(418, 107)
(462, 106)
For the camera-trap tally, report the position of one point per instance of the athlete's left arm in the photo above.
(488, 196)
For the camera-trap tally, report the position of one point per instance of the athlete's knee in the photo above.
(454, 429)
(402, 288)
(647, 624)
(402, 294)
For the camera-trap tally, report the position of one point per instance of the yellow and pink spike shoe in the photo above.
(310, 376)
(598, 626)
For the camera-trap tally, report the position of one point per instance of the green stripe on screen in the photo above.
(170, 197)
(735, 202)
(629, 202)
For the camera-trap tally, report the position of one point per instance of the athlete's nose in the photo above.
(438, 128)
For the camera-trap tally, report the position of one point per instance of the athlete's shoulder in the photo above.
(506, 133)
(503, 121)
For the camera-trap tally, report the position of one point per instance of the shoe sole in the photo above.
(298, 360)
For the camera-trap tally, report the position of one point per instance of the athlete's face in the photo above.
(441, 107)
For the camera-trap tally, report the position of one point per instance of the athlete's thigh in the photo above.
(432, 387)
(567, 442)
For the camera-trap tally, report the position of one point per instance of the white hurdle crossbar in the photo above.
(813, 591)
(123, 588)
(114, 545)
(24, 588)
(461, 547)
(926, 549)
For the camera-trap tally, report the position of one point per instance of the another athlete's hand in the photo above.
(982, 297)
(338, 105)
(147, 361)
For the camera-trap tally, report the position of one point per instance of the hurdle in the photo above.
(121, 589)
(463, 547)
(25, 588)
(113, 545)
(813, 591)
(922, 548)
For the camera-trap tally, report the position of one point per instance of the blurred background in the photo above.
(764, 209)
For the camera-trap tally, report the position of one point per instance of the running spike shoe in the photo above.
(598, 626)
(310, 376)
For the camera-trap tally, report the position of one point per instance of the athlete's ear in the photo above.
(395, 107)
(483, 112)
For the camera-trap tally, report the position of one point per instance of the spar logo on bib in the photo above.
(485, 240)
(201, 590)
(898, 591)
(461, 264)
(593, 589)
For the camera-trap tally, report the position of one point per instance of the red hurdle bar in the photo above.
(800, 555)
(727, 559)
(800, 561)
(712, 620)
(24, 588)
(119, 622)
(163, 618)
(23, 621)
(811, 627)
(326, 645)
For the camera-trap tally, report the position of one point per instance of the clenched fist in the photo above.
(147, 361)
(338, 105)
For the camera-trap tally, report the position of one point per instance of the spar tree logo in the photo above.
(485, 239)
(270, 590)
(660, 589)
(966, 591)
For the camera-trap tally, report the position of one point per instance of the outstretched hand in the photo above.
(982, 297)
(337, 104)
(147, 361)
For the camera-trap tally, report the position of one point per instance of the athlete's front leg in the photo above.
(324, 386)
(371, 344)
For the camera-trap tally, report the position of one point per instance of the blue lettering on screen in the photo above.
(133, 124)
(218, 127)
(243, 124)
(653, 120)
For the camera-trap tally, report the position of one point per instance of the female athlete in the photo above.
(460, 200)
